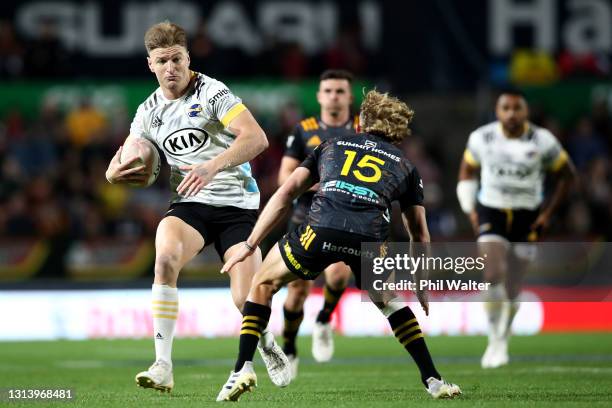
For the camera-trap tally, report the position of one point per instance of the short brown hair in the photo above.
(385, 115)
(164, 35)
(336, 74)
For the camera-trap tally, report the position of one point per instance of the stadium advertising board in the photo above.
(76, 315)
(467, 44)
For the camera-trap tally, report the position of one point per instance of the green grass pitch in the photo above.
(546, 371)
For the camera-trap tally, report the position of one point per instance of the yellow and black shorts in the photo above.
(307, 250)
(512, 224)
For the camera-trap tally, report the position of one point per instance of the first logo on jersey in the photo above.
(185, 141)
(194, 110)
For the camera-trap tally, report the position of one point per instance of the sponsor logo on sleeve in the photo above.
(218, 96)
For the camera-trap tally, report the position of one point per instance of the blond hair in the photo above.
(385, 115)
(164, 35)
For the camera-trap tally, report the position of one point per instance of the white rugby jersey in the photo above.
(193, 129)
(512, 170)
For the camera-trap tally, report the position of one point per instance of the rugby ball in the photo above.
(147, 154)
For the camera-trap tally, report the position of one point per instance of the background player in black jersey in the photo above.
(359, 177)
(335, 97)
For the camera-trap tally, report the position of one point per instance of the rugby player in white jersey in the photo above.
(509, 158)
(208, 137)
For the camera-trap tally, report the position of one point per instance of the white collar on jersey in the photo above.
(527, 131)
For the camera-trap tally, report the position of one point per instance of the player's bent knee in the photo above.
(337, 276)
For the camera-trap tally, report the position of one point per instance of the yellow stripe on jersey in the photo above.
(314, 141)
(559, 161)
(232, 113)
(469, 158)
(309, 124)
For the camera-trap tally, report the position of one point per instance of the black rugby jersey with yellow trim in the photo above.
(306, 136)
(360, 176)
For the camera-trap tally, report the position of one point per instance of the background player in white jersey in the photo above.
(513, 157)
(208, 136)
(335, 97)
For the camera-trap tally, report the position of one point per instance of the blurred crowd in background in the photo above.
(52, 180)
(52, 163)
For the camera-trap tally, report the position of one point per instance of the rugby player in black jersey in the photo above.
(359, 176)
(335, 98)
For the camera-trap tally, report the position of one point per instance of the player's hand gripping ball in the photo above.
(147, 155)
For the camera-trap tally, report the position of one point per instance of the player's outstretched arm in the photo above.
(415, 223)
(288, 165)
(249, 143)
(273, 213)
(118, 173)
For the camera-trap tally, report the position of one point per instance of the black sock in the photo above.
(406, 329)
(254, 321)
(293, 320)
(332, 297)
